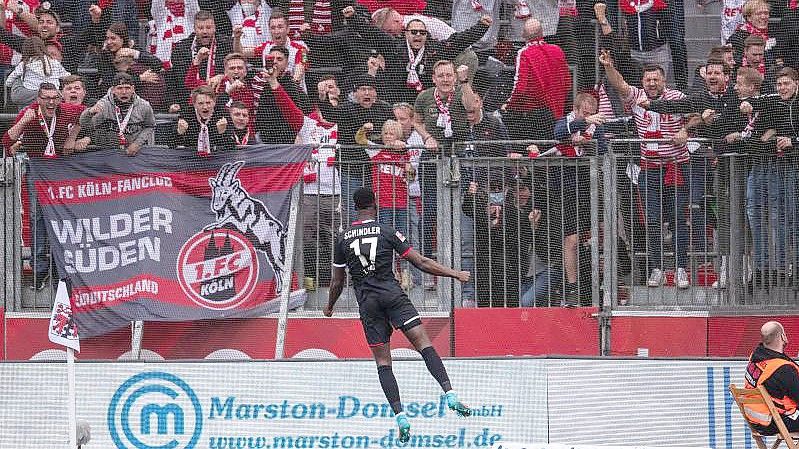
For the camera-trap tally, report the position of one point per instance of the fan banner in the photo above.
(168, 235)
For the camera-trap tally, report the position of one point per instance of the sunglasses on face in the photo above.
(418, 32)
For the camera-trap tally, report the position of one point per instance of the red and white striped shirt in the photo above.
(604, 107)
(652, 125)
(320, 174)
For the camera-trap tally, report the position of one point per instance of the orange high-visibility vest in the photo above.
(756, 375)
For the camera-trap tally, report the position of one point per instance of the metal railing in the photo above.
(603, 225)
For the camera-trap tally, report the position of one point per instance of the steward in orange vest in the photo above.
(780, 375)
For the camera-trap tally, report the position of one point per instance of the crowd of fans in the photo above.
(380, 87)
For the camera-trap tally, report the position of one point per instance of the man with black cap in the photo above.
(367, 108)
(121, 118)
(367, 249)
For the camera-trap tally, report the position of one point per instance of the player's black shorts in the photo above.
(382, 309)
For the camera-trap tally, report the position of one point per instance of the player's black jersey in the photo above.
(367, 250)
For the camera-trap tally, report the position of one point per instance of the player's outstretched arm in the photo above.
(336, 287)
(432, 267)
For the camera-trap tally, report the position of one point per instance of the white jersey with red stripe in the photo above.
(731, 17)
(255, 27)
(168, 27)
(320, 174)
(652, 125)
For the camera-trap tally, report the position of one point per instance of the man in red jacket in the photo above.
(541, 87)
(44, 129)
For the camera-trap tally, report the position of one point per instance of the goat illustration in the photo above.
(236, 208)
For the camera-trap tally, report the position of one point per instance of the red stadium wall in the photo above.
(714, 336)
(526, 331)
(736, 336)
(26, 337)
(661, 336)
(2, 333)
(478, 332)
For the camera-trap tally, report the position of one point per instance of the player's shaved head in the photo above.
(771, 333)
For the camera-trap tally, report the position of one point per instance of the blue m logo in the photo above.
(155, 410)
(161, 414)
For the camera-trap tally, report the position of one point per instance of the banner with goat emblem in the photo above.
(168, 235)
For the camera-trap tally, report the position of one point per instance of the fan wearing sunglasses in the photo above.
(411, 55)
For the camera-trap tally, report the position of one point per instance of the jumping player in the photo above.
(367, 249)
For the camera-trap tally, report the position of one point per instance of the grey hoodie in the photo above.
(103, 128)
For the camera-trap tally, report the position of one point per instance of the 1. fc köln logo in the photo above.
(218, 267)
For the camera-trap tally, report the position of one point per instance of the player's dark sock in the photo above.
(436, 367)
(390, 387)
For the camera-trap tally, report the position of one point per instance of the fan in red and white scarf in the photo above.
(231, 86)
(242, 131)
(298, 51)
(45, 128)
(253, 16)
(320, 174)
(173, 21)
(756, 15)
(754, 54)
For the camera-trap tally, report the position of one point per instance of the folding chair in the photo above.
(747, 397)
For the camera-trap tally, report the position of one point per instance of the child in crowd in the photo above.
(37, 67)
(390, 165)
(242, 133)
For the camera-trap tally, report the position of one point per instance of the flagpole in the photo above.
(71, 399)
(136, 335)
(62, 330)
(282, 321)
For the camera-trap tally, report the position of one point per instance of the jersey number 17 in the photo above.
(367, 258)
